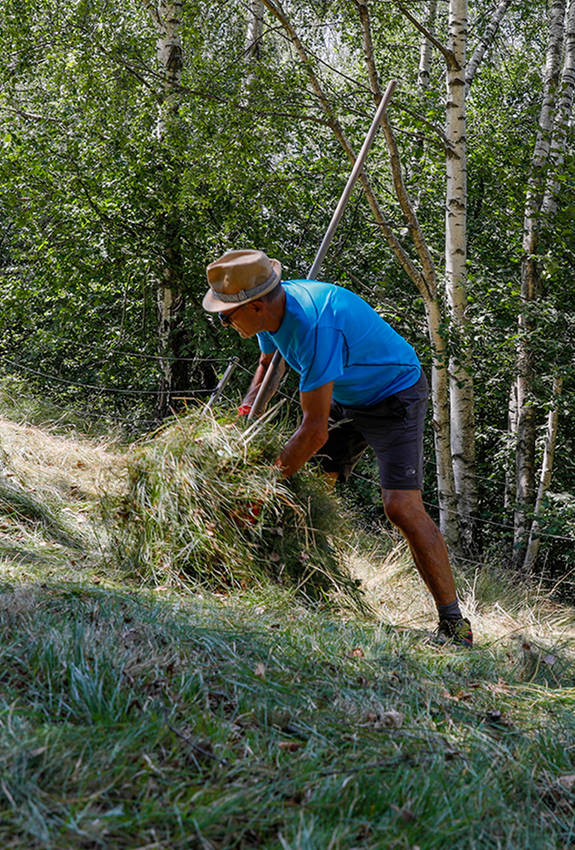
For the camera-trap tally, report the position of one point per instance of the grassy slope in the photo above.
(155, 718)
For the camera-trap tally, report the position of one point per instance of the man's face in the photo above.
(244, 319)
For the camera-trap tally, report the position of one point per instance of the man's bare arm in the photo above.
(312, 432)
(259, 375)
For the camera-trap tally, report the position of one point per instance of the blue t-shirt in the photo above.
(331, 334)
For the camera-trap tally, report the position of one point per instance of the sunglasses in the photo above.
(226, 318)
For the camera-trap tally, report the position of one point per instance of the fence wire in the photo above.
(201, 391)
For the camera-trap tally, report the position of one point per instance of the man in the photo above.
(360, 384)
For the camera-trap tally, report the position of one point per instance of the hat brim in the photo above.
(212, 304)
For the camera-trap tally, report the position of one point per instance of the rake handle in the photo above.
(264, 395)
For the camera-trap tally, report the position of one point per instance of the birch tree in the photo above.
(459, 76)
(167, 16)
(427, 285)
(254, 29)
(485, 41)
(534, 542)
(461, 397)
(460, 366)
(426, 48)
(540, 208)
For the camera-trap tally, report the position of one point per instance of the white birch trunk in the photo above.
(441, 428)
(545, 477)
(426, 49)
(423, 81)
(530, 287)
(448, 514)
(460, 367)
(485, 41)
(254, 30)
(509, 497)
(561, 119)
(427, 286)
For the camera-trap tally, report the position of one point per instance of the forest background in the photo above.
(141, 140)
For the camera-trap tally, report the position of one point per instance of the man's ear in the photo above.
(258, 305)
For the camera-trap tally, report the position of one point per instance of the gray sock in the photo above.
(449, 612)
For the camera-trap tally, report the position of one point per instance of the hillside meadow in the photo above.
(294, 703)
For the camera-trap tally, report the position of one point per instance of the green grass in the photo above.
(135, 715)
(129, 720)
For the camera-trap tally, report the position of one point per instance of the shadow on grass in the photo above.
(19, 555)
(20, 505)
(256, 722)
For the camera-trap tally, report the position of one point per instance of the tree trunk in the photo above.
(460, 365)
(485, 41)
(530, 288)
(545, 477)
(427, 286)
(509, 496)
(254, 30)
(561, 120)
(461, 394)
(426, 49)
(171, 302)
(441, 428)
(423, 79)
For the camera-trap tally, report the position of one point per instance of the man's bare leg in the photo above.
(405, 509)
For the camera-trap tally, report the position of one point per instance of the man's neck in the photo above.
(276, 313)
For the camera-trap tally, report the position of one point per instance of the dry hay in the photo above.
(204, 503)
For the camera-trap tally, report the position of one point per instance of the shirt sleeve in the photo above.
(266, 343)
(326, 363)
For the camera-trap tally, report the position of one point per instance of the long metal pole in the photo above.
(263, 397)
(223, 381)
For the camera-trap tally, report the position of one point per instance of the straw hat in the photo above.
(239, 277)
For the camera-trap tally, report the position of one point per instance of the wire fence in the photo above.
(201, 392)
(98, 387)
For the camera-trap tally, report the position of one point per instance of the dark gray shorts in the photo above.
(394, 430)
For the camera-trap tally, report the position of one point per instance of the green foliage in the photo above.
(87, 186)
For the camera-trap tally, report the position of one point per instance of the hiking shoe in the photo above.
(457, 632)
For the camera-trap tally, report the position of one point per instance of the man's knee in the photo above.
(403, 508)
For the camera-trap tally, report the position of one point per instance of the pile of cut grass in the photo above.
(50, 486)
(205, 505)
(16, 503)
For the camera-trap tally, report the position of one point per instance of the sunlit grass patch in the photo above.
(70, 468)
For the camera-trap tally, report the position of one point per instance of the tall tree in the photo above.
(459, 77)
(426, 47)
(254, 29)
(540, 207)
(167, 16)
(460, 367)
